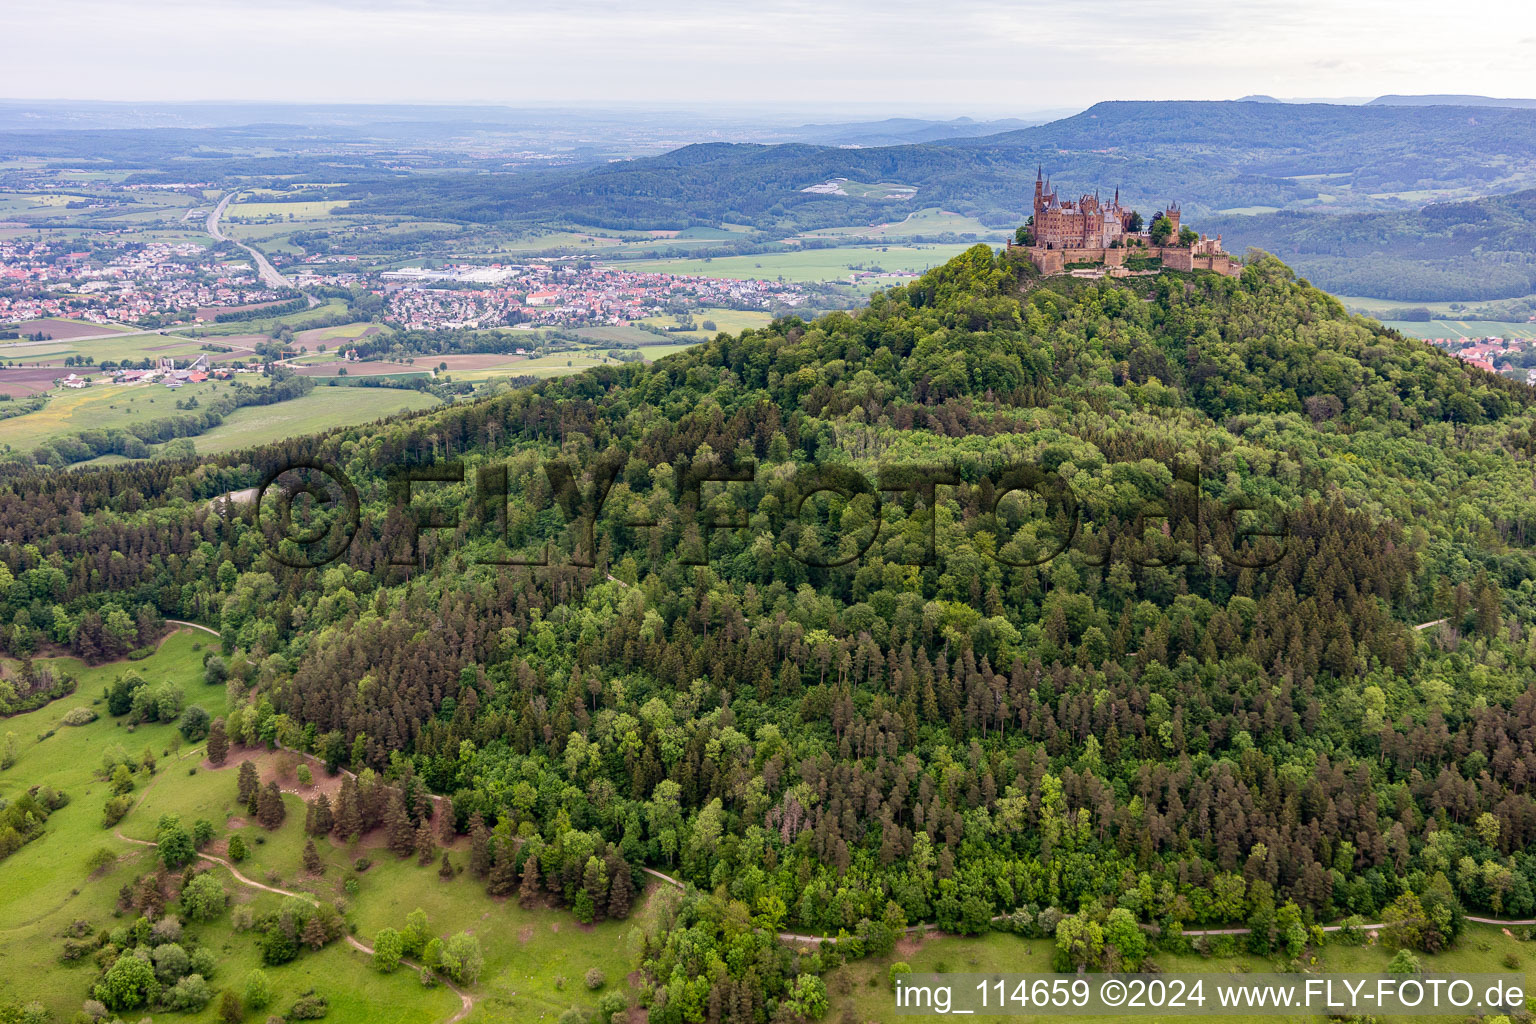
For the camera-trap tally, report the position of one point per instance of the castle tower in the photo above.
(1039, 192)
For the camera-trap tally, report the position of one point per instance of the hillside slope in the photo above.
(1243, 154)
(1477, 250)
(992, 706)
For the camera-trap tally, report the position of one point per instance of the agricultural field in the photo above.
(863, 189)
(104, 209)
(321, 409)
(102, 406)
(927, 221)
(62, 330)
(1462, 328)
(731, 321)
(268, 325)
(838, 264)
(134, 345)
(336, 337)
(533, 968)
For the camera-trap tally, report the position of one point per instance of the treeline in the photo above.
(263, 312)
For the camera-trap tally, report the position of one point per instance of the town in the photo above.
(556, 293)
(1505, 356)
(143, 283)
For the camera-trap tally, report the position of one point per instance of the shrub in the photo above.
(189, 995)
(258, 990)
(116, 809)
(308, 1007)
(80, 716)
(610, 1005)
(595, 978)
(194, 724)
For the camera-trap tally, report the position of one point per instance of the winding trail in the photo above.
(191, 625)
(466, 1001)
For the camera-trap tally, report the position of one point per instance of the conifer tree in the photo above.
(479, 846)
(349, 818)
(503, 877)
(270, 811)
(426, 846)
(218, 743)
(402, 838)
(247, 782)
(528, 892)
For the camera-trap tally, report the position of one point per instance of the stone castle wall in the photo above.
(1054, 261)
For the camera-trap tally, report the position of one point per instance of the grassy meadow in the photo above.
(321, 409)
(101, 406)
(863, 987)
(810, 265)
(535, 960)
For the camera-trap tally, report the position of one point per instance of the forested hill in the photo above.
(1481, 249)
(1191, 726)
(1244, 154)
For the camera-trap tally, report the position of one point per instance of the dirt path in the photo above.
(191, 625)
(466, 1001)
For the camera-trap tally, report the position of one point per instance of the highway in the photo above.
(268, 273)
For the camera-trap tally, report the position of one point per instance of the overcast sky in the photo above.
(990, 57)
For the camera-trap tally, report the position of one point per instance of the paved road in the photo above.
(268, 273)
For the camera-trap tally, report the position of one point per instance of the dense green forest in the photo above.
(993, 706)
(1477, 250)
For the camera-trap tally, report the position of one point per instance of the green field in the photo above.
(928, 221)
(309, 209)
(271, 324)
(126, 346)
(812, 265)
(731, 321)
(53, 325)
(535, 960)
(101, 406)
(863, 986)
(1462, 328)
(321, 409)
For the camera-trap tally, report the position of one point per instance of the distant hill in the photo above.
(1212, 156)
(1476, 250)
(1450, 100)
(899, 131)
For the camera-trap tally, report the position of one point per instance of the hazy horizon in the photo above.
(983, 59)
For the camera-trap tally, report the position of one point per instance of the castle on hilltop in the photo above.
(1090, 237)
